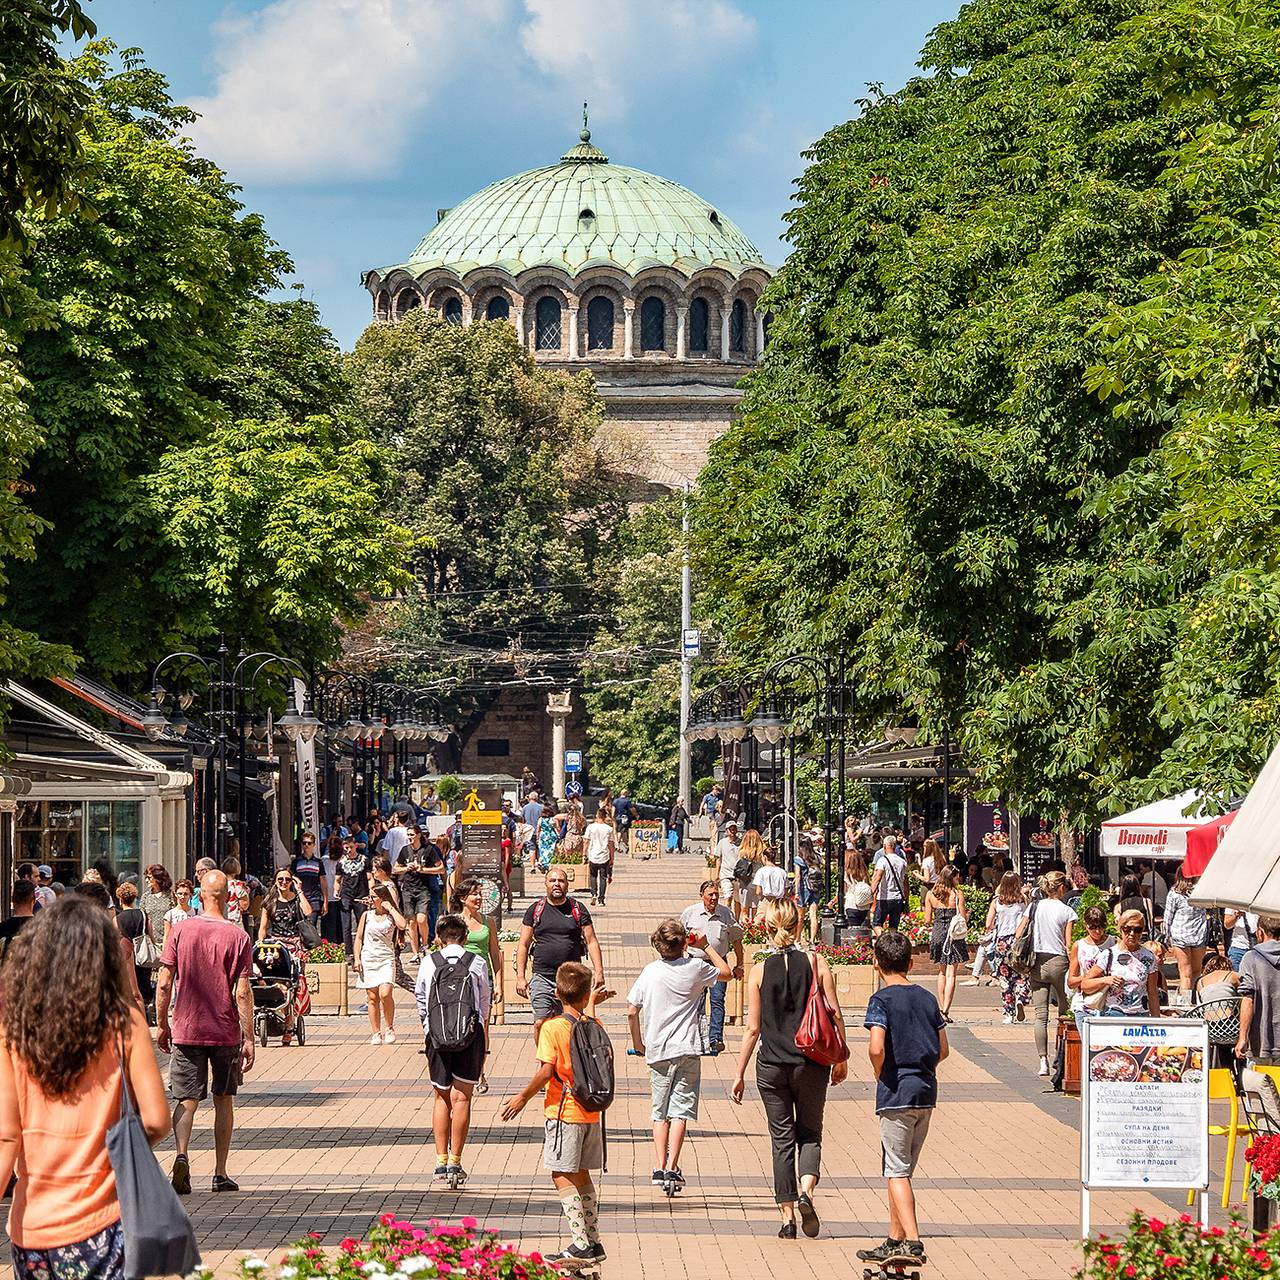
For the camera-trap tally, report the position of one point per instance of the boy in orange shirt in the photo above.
(573, 1144)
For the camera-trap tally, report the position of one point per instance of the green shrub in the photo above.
(1092, 897)
(700, 789)
(448, 789)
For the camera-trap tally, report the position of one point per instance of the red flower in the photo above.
(469, 1224)
(1130, 1271)
(1185, 1217)
(387, 1219)
(315, 1235)
(1172, 1261)
(348, 1245)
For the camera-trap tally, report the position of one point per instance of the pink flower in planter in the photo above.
(469, 1224)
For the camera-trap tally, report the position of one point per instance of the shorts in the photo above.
(542, 997)
(415, 903)
(728, 888)
(889, 911)
(447, 1067)
(568, 1146)
(191, 1064)
(902, 1134)
(100, 1257)
(674, 1085)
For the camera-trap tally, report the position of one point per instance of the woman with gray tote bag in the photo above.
(75, 1048)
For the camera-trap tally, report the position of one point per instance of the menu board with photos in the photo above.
(1145, 1102)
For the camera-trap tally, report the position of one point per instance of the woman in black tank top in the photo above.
(792, 1088)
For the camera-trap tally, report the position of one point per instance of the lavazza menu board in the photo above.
(1145, 1098)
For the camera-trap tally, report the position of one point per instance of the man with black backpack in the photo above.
(453, 1002)
(575, 1066)
(557, 928)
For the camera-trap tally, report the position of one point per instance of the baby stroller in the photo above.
(275, 985)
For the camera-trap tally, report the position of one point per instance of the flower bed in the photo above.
(1179, 1251)
(327, 953)
(397, 1250)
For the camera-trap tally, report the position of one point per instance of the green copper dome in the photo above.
(584, 212)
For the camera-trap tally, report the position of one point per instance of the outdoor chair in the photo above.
(1222, 1088)
(1262, 1113)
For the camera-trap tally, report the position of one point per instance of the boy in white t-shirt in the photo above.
(664, 1009)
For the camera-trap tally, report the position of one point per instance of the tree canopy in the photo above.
(199, 469)
(976, 456)
(510, 485)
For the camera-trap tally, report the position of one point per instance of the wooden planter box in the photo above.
(327, 986)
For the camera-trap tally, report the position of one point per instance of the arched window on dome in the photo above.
(452, 310)
(600, 325)
(768, 324)
(382, 305)
(406, 300)
(547, 324)
(653, 325)
(738, 326)
(498, 309)
(699, 325)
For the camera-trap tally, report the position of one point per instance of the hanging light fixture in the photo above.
(155, 723)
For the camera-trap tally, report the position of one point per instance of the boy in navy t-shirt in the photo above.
(908, 1040)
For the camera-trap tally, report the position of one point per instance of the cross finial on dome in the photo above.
(584, 152)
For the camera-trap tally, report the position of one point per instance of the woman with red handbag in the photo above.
(794, 1016)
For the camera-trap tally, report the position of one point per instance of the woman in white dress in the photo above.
(376, 961)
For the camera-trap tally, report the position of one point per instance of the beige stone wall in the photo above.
(519, 716)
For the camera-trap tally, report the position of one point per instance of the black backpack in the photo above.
(744, 871)
(591, 1054)
(452, 1016)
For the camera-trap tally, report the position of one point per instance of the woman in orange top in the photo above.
(67, 1010)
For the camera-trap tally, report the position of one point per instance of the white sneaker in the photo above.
(375, 1038)
(389, 1038)
(1007, 1019)
(1044, 1067)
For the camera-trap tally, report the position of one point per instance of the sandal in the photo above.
(483, 1087)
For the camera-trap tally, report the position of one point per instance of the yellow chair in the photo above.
(1222, 1088)
(1274, 1073)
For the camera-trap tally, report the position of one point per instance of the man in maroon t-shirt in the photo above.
(211, 960)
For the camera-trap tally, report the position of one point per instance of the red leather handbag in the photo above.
(816, 1036)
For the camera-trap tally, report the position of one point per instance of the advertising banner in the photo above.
(304, 753)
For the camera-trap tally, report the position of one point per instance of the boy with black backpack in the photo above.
(453, 1001)
(575, 1065)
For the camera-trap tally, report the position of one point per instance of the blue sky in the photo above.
(349, 122)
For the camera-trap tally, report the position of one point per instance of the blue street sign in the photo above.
(573, 762)
(573, 790)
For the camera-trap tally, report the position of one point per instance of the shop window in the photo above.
(699, 324)
(653, 325)
(599, 325)
(547, 324)
(113, 830)
(52, 831)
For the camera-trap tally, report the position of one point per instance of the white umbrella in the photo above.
(1245, 871)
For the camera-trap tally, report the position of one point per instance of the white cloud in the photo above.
(309, 90)
(613, 51)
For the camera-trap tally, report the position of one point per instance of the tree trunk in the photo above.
(1066, 841)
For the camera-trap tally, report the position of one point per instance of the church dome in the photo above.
(583, 212)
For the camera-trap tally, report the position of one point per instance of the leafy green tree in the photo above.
(510, 485)
(42, 112)
(928, 471)
(274, 532)
(200, 469)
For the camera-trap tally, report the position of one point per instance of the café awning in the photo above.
(1203, 842)
(1156, 830)
(1245, 871)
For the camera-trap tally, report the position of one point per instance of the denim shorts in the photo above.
(674, 1085)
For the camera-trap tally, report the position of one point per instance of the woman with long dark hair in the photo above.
(71, 1035)
(482, 941)
(943, 903)
(157, 898)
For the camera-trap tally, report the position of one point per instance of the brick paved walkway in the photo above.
(331, 1134)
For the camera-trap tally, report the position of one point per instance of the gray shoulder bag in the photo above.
(158, 1238)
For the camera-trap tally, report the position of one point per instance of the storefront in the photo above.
(88, 795)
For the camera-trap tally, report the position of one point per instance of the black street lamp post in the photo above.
(226, 706)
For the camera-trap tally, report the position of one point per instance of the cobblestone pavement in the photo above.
(331, 1134)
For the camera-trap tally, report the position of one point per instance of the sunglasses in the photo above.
(1130, 928)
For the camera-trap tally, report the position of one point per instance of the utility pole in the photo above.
(686, 663)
